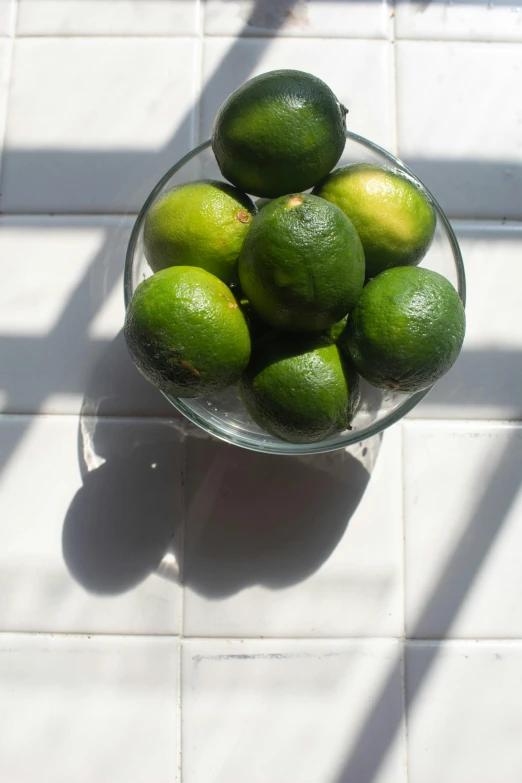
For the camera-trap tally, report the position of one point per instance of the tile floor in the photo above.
(367, 628)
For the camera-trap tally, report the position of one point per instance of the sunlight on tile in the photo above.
(42, 265)
(110, 316)
(311, 695)
(462, 573)
(109, 17)
(100, 708)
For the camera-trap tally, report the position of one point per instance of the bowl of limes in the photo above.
(290, 286)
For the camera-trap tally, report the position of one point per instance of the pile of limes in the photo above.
(294, 297)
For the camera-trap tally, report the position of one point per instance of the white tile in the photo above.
(367, 93)
(481, 20)
(459, 128)
(61, 315)
(312, 712)
(94, 123)
(301, 18)
(109, 17)
(90, 514)
(463, 514)
(281, 546)
(6, 16)
(88, 709)
(464, 714)
(485, 381)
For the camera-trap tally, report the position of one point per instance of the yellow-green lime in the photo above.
(186, 333)
(406, 330)
(392, 215)
(201, 223)
(279, 133)
(299, 388)
(302, 264)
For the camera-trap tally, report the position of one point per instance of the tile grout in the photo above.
(404, 722)
(181, 567)
(160, 417)
(257, 36)
(460, 223)
(266, 640)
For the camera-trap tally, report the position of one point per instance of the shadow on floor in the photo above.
(249, 518)
(261, 519)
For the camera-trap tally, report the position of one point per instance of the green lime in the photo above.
(262, 202)
(299, 388)
(393, 217)
(186, 332)
(335, 331)
(302, 264)
(279, 133)
(201, 223)
(406, 330)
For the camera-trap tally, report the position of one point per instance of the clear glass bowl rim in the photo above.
(355, 436)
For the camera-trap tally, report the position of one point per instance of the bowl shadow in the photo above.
(260, 519)
(249, 518)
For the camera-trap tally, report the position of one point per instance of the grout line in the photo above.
(201, 17)
(460, 41)
(391, 10)
(290, 639)
(403, 519)
(13, 18)
(111, 417)
(107, 37)
(89, 634)
(460, 423)
(278, 36)
(394, 102)
(56, 213)
(483, 641)
(72, 215)
(334, 639)
(496, 223)
(458, 223)
(404, 723)
(198, 77)
(179, 730)
(463, 423)
(181, 567)
(394, 76)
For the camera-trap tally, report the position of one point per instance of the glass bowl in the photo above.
(224, 415)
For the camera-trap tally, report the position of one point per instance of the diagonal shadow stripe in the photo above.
(455, 582)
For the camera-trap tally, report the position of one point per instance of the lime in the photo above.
(302, 264)
(335, 331)
(394, 219)
(279, 133)
(201, 223)
(186, 333)
(406, 330)
(299, 388)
